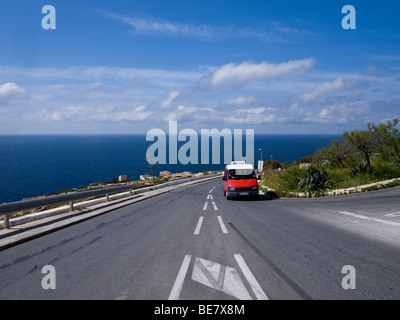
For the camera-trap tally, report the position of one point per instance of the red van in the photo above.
(240, 179)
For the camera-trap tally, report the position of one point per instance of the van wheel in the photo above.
(224, 193)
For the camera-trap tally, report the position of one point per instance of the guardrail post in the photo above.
(107, 198)
(6, 222)
(71, 206)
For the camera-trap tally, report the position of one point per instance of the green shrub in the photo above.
(284, 182)
(290, 178)
(340, 177)
(386, 170)
(315, 182)
(272, 179)
(271, 165)
(307, 159)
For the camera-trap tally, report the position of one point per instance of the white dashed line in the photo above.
(209, 196)
(214, 205)
(222, 225)
(198, 227)
(205, 206)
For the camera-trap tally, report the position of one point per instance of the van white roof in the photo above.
(239, 165)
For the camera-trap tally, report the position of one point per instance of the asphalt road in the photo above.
(192, 243)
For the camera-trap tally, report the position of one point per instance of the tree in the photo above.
(307, 159)
(387, 139)
(337, 154)
(363, 141)
(271, 165)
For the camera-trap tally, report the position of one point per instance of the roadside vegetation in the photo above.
(359, 157)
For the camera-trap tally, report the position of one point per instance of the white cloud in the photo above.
(153, 26)
(95, 85)
(338, 113)
(330, 102)
(323, 89)
(271, 32)
(138, 99)
(182, 113)
(40, 96)
(194, 115)
(95, 95)
(240, 74)
(89, 77)
(252, 115)
(95, 114)
(239, 101)
(324, 112)
(10, 89)
(167, 102)
(138, 114)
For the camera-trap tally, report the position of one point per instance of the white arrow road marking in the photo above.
(370, 218)
(222, 225)
(198, 227)
(205, 206)
(176, 289)
(250, 278)
(219, 277)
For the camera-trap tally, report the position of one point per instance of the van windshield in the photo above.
(242, 174)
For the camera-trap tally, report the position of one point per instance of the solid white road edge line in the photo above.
(176, 289)
(259, 293)
(198, 227)
(222, 225)
(369, 218)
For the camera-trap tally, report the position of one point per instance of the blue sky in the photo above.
(129, 66)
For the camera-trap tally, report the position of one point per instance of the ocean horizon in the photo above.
(34, 165)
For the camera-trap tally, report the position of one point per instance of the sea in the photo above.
(34, 165)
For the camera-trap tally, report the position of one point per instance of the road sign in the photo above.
(260, 165)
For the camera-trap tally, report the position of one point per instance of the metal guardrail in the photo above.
(8, 208)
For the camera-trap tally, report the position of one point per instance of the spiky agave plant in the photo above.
(316, 181)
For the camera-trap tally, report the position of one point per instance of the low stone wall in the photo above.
(362, 188)
(365, 187)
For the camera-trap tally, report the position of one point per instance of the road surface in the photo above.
(192, 243)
